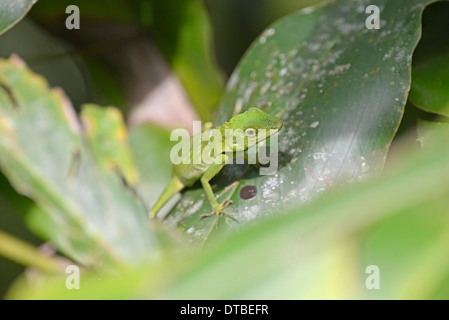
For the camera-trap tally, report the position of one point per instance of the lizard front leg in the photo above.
(217, 208)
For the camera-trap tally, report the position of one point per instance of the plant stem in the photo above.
(25, 254)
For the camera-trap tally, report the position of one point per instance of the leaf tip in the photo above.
(17, 61)
(67, 109)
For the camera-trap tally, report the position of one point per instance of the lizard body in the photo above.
(236, 135)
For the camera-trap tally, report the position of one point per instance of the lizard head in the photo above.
(248, 129)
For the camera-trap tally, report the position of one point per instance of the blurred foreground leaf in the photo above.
(11, 11)
(108, 138)
(12, 208)
(342, 88)
(93, 218)
(397, 222)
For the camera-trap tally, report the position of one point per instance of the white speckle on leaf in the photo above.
(266, 34)
(269, 74)
(199, 234)
(361, 8)
(238, 106)
(399, 56)
(304, 195)
(265, 87)
(292, 52)
(192, 208)
(363, 164)
(346, 28)
(339, 69)
(320, 156)
(314, 124)
(248, 214)
(233, 80)
(249, 91)
(313, 47)
(270, 184)
(308, 10)
(269, 32)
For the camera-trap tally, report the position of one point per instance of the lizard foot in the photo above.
(219, 210)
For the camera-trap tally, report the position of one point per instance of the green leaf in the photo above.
(430, 86)
(342, 90)
(435, 33)
(430, 71)
(43, 154)
(12, 11)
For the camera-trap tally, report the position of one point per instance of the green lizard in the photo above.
(246, 132)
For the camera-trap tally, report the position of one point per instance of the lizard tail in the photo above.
(172, 188)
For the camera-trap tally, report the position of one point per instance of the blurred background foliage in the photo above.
(166, 63)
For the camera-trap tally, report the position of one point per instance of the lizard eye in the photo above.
(250, 132)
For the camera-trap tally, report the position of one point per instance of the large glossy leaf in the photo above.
(95, 219)
(11, 11)
(342, 89)
(397, 222)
